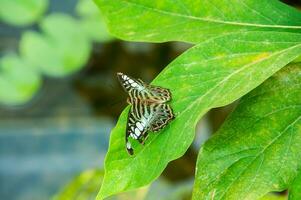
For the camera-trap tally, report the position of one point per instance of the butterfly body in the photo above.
(149, 110)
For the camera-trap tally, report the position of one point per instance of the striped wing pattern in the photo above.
(149, 110)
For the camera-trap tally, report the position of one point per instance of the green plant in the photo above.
(52, 51)
(22, 12)
(86, 185)
(82, 187)
(18, 81)
(238, 46)
(92, 22)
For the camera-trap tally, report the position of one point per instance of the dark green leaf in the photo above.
(211, 74)
(195, 20)
(257, 150)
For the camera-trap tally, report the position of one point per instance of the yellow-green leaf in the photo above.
(214, 73)
(257, 150)
(195, 20)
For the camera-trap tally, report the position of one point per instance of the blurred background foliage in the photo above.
(22, 12)
(86, 186)
(61, 45)
(17, 84)
(59, 99)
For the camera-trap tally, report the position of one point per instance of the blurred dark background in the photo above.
(60, 127)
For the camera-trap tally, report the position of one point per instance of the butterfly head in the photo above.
(123, 77)
(120, 75)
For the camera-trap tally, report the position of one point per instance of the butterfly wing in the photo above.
(129, 84)
(139, 89)
(149, 110)
(159, 93)
(144, 117)
(163, 116)
(137, 126)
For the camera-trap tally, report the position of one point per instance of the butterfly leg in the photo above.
(141, 140)
(128, 101)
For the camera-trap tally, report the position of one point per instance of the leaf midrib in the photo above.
(191, 17)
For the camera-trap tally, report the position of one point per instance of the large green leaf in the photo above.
(18, 81)
(257, 150)
(63, 48)
(211, 74)
(22, 12)
(295, 188)
(195, 20)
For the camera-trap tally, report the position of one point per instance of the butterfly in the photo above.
(149, 109)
